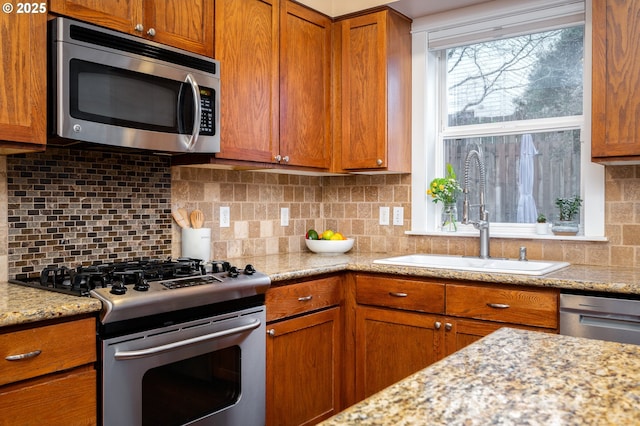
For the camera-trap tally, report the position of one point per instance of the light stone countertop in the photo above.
(20, 305)
(514, 377)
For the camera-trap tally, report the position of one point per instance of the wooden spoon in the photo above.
(185, 216)
(179, 219)
(197, 219)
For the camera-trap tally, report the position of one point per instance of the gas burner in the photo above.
(81, 280)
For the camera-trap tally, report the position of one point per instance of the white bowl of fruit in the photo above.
(328, 242)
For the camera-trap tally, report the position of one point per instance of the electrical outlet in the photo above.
(225, 217)
(384, 215)
(284, 216)
(398, 216)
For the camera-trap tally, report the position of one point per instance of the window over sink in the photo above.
(512, 81)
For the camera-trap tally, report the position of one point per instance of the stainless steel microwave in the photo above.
(110, 88)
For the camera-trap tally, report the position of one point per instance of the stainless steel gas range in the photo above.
(181, 342)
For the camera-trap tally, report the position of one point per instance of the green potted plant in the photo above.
(542, 227)
(568, 218)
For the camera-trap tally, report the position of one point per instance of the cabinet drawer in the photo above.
(289, 300)
(534, 307)
(62, 346)
(405, 294)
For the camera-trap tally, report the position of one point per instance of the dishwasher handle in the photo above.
(124, 355)
(610, 321)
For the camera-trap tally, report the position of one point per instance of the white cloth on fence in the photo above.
(527, 211)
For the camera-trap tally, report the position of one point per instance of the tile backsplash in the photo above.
(69, 206)
(72, 207)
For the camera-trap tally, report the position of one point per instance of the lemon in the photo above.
(326, 235)
(337, 236)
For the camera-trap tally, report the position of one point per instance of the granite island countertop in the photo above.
(514, 377)
(20, 305)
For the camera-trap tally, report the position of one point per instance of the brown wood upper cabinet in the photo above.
(186, 25)
(616, 81)
(276, 64)
(23, 96)
(374, 92)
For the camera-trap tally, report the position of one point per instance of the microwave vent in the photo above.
(104, 39)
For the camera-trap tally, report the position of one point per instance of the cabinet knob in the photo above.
(278, 158)
(285, 159)
(379, 161)
(448, 326)
(271, 332)
(437, 325)
(139, 28)
(151, 32)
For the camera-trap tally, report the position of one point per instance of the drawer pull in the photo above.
(28, 355)
(304, 298)
(396, 294)
(271, 332)
(437, 325)
(498, 305)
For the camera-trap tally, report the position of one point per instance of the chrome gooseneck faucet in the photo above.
(483, 223)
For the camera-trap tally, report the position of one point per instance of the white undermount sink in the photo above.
(476, 264)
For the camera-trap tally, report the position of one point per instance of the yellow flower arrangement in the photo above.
(445, 189)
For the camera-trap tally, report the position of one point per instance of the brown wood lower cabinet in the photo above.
(54, 383)
(403, 325)
(336, 340)
(390, 345)
(304, 352)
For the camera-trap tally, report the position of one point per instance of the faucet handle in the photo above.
(523, 254)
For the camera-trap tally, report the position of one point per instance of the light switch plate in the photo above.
(284, 216)
(225, 217)
(398, 215)
(384, 215)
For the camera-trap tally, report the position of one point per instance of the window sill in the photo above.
(512, 236)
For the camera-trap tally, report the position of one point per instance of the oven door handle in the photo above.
(124, 355)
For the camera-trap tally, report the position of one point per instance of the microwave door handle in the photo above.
(190, 143)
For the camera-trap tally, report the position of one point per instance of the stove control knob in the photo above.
(141, 285)
(118, 288)
(249, 269)
(233, 272)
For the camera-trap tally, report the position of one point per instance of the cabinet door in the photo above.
(305, 66)
(186, 25)
(119, 15)
(246, 44)
(616, 80)
(23, 96)
(461, 333)
(390, 345)
(304, 368)
(61, 399)
(364, 112)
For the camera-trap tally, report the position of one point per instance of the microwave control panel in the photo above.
(207, 122)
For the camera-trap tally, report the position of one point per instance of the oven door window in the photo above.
(184, 391)
(129, 99)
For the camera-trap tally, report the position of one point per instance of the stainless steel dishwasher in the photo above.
(600, 317)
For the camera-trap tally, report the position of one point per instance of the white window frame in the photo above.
(473, 24)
